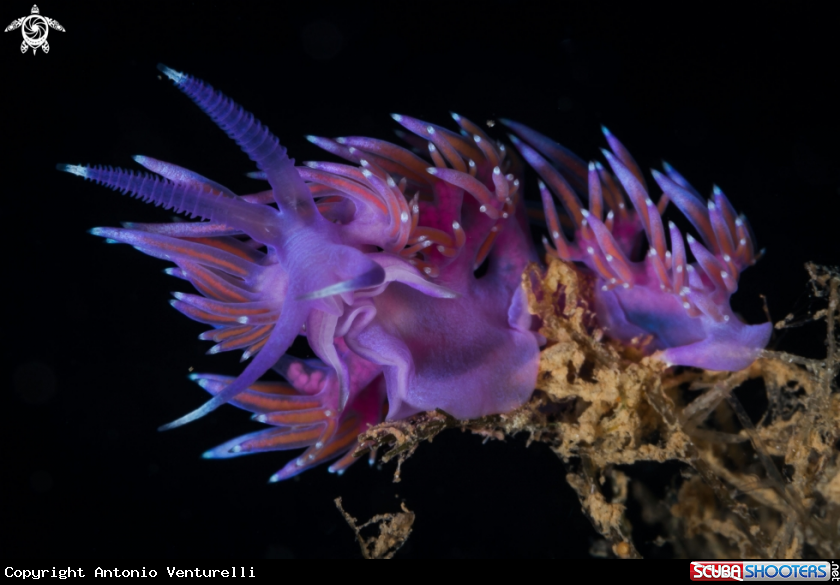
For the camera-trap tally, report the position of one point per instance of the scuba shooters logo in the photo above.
(797, 571)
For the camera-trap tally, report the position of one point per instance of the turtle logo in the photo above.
(35, 28)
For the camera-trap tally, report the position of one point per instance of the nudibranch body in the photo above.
(664, 302)
(375, 264)
(382, 285)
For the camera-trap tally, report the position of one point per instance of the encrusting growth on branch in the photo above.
(602, 404)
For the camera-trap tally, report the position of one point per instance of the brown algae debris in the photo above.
(763, 489)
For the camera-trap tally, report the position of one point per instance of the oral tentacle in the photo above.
(179, 249)
(282, 336)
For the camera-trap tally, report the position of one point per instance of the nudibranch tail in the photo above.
(373, 262)
(677, 307)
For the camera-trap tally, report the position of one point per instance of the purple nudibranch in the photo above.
(374, 262)
(679, 308)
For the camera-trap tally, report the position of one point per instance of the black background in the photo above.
(97, 360)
